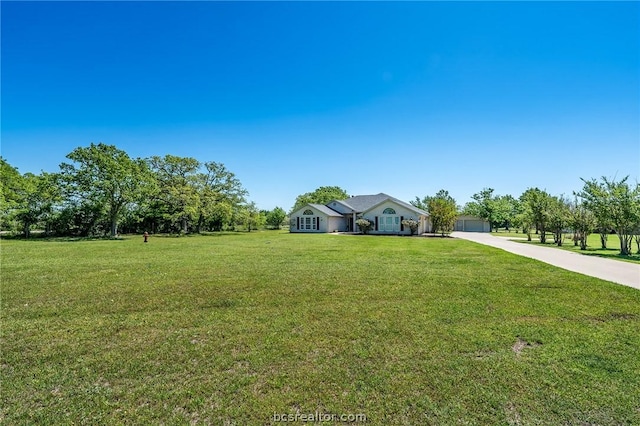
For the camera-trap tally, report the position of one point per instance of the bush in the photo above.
(364, 224)
(411, 224)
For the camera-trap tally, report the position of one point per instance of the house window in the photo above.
(309, 223)
(307, 212)
(389, 210)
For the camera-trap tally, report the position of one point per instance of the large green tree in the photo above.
(217, 188)
(11, 183)
(175, 199)
(322, 195)
(483, 206)
(537, 205)
(442, 210)
(105, 176)
(622, 201)
(275, 217)
(38, 195)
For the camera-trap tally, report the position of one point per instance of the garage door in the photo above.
(473, 225)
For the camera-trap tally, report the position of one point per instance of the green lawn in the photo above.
(594, 248)
(511, 233)
(230, 329)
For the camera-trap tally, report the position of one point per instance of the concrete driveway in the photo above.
(617, 271)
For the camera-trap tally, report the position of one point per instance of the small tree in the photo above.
(558, 218)
(411, 224)
(364, 225)
(537, 203)
(484, 206)
(622, 202)
(275, 217)
(582, 221)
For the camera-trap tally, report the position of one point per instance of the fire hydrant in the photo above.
(146, 236)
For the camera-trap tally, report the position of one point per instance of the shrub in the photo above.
(411, 224)
(364, 224)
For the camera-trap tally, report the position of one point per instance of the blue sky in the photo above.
(403, 98)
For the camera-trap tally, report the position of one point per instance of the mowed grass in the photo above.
(594, 248)
(230, 329)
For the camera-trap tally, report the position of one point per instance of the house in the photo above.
(385, 213)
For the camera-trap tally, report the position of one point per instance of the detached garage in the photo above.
(471, 224)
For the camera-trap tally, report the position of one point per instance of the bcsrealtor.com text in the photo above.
(318, 418)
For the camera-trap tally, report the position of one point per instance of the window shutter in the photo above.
(376, 228)
(401, 225)
(318, 223)
(298, 225)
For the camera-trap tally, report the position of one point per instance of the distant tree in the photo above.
(559, 218)
(250, 217)
(442, 209)
(443, 214)
(505, 210)
(11, 184)
(537, 204)
(582, 221)
(176, 198)
(215, 186)
(601, 209)
(322, 195)
(483, 206)
(105, 176)
(524, 220)
(420, 203)
(275, 217)
(364, 225)
(623, 204)
(38, 195)
(411, 224)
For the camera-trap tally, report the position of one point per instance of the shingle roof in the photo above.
(326, 210)
(361, 203)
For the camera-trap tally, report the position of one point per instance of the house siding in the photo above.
(401, 212)
(336, 224)
(297, 219)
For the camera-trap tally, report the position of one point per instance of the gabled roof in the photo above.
(324, 209)
(342, 202)
(362, 203)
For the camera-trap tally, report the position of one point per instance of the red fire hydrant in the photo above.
(146, 236)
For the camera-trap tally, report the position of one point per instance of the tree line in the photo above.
(603, 206)
(103, 191)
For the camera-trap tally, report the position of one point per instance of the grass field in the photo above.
(230, 329)
(594, 248)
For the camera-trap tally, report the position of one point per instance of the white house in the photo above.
(385, 212)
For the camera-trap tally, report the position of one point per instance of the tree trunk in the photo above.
(559, 239)
(114, 226)
(624, 244)
(27, 229)
(200, 222)
(603, 240)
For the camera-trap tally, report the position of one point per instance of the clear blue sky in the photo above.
(403, 98)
